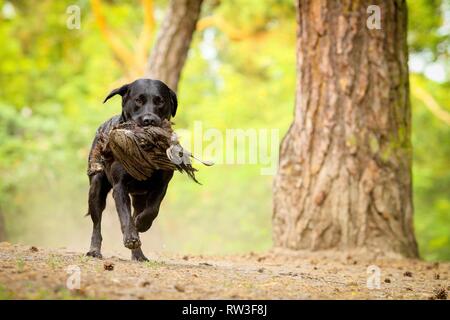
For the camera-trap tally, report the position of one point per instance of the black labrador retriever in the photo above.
(146, 102)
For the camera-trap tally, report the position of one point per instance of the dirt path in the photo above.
(37, 273)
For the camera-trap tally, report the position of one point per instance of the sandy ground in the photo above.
(38, 273)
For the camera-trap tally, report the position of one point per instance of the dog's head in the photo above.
(146, 101)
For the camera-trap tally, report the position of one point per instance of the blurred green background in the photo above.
(239, 74)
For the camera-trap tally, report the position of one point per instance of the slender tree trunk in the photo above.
(344, 178)
(170, 51)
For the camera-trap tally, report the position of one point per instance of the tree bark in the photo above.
(344, 177)
(170, 51)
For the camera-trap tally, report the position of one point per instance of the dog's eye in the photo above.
(157, 100)
(140, 100)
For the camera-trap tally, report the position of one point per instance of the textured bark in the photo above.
(344, 178)
(170, 51)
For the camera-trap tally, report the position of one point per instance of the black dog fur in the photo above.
(147, 102)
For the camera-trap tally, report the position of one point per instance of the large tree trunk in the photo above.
(344, 178)
(170, 51)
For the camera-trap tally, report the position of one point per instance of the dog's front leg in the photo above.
(144, 219)
(123, 206)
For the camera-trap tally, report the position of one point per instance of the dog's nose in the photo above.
(149, 121)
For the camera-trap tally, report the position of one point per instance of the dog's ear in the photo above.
(173, 102)
(122, 91)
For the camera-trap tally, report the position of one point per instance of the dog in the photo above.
(147, 102)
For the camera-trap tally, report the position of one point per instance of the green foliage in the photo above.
(53, 80)
(430, 138)
(425, 21)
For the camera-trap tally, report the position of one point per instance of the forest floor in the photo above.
(38, 273)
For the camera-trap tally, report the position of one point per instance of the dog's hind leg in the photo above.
(98, 191)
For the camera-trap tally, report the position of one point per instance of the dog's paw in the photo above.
(131, 242)
(138, 257)
(94, 254)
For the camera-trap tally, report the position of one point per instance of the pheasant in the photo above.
(142, 150)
